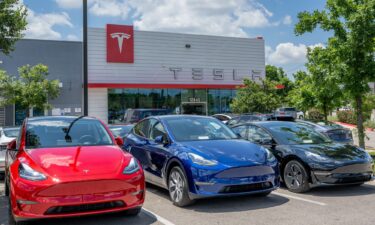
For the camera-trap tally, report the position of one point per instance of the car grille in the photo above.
(56, 210)
(3, 147)
(245, 172)
(246, 187)
(355, 179)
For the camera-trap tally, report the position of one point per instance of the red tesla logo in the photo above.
(120, 43)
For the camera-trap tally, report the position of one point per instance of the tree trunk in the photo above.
(27, 112)
(325, 113)
(361, 134)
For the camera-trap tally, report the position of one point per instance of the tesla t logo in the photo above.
(120, 39)
(120, 43)
(86, 171)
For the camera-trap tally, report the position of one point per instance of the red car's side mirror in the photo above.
(12, 146)
(119, 141)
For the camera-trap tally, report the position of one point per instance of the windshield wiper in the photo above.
(68, 138)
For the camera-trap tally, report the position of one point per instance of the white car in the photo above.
(7, 134)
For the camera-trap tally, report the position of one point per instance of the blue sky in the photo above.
(274, 20)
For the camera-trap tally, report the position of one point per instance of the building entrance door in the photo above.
(194, 108)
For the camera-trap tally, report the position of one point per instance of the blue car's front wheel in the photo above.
(178, 187)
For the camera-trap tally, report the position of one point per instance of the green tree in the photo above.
(30, 90)
(302, 96)
(279, 77)
(352, 44)
(324, 84)
(12, 24)
(254, 97)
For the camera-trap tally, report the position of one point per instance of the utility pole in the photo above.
(85, 67)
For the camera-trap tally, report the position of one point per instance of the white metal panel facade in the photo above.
(98, 103)
(155, 53)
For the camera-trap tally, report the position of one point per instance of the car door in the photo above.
(136, 144)
(159, 152)
(260, 136)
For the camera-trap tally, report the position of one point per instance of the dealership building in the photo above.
(130, 69)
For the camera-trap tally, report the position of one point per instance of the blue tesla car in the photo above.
(196, 157)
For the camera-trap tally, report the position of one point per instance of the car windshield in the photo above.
(294, 133)
(199, 128)
(120, 131)
(66, 132)
(11, 132)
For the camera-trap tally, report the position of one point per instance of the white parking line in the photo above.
(159, 218)
(300, 199)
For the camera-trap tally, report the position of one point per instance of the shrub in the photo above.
(369, 124)
(315, 115)
(347, 117)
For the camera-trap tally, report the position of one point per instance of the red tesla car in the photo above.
(70, 166)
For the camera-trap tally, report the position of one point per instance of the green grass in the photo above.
(372, 153)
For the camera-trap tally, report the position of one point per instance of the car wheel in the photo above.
(300, 117)
(295, 177)
(263, 194)
(2, 176)
(178, 188)
(133, 212)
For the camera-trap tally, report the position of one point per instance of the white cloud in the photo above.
(110, 8)
(41, 26)
(288, 53)
(287, 20)
(69, 4)
(72, 37)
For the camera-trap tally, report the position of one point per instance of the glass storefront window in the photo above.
(192, 101)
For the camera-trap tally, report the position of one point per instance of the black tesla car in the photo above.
(308, 157)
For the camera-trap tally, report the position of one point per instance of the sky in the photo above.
(274, 20)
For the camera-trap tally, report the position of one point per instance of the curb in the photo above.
(353, 126)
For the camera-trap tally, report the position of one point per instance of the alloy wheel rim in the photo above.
(293, 176)
(176, 186)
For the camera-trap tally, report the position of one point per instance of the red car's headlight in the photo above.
(26, 172)
(132, 167)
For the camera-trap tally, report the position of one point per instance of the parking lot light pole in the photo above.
(85, 68)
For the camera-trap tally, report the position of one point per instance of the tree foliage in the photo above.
(279, 77)
(31, 90)
(302, 96)
(352, 45)
(12, 24)
(254, 97)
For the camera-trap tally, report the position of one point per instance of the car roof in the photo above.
(161, 117)
(267, 123)
(51, 118)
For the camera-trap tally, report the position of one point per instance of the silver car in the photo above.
(7, 134)
(286, 113)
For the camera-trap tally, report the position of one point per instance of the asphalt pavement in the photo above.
(323, 205)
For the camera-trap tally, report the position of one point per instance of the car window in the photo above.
(142, 128)
(256, 134)
(65, 133)
(11, 132)
(233, 121)
(157, 129)
(241, 130)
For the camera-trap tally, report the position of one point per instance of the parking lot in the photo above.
(323, 205)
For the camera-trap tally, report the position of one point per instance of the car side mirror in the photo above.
(119, 141)
(162, 139)
(12, 146)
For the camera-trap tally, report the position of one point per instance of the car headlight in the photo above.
(270, 156)
(317, 157)
(27, 173)
(132, 167)
(199, 160)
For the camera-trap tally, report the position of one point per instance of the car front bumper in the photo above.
(234, 181)
(75, 198)
(349, 174)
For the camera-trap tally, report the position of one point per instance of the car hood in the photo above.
(79, 161)
(335, 151)
(229, 152)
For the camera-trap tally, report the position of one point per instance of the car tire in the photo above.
(2, 176)
(178, 188)
(300, 117)
(295, 177)
(263, 194)
(133, 212)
